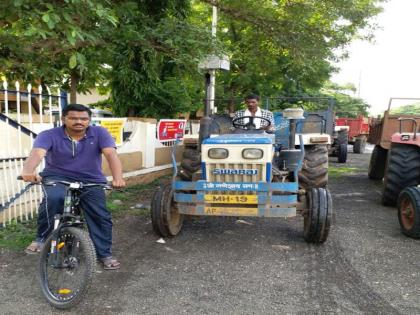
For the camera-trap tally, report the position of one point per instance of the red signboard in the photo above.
(171, 129)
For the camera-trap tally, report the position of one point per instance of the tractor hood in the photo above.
(241, 139)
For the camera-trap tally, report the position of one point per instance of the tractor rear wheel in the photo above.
(191, 157)
(377, 163)
(409, 212)
(317, 220)
(166, 219)
(402, 170)
(314, 172)
(191, 163)
(359, 146)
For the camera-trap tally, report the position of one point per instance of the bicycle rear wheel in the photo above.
(66, 275)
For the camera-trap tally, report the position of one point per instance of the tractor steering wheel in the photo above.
(250, 124)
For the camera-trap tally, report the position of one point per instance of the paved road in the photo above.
(222, 266)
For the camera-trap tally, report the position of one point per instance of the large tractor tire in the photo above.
(314, 172)
(359, 146)
(220, 124)
(402, 170)
(317, 219)
(191, 157)
(342, 141)
(377, 163)
(191, 163)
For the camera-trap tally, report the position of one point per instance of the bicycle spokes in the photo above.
(65, 267)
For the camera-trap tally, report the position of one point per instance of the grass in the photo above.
(120, 202)
(17, 235)
(335, 172)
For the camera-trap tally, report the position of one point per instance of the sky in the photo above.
(390, 66)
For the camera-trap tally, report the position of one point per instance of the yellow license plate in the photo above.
(252, 212)
(241, 199)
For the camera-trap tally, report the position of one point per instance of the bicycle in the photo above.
(68, 259)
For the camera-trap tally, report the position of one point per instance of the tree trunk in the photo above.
(131, 112)
(74, 81)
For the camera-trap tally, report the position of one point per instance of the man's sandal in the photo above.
(110, 263)
(34, 248)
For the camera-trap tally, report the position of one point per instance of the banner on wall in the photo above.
(171, 129)
(115, 127)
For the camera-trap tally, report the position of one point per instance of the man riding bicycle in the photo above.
(73, 152)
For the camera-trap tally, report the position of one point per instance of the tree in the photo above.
(346, 105)
(147, 51)
(154, 70)
(285, 47)
(56, 42)
(411, 109)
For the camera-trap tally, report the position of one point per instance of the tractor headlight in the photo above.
(252, 154)
(218, 153)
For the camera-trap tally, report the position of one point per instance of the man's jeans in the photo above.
(93, 203)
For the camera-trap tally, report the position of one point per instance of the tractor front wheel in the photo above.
(409, 212)
(317, 219)
(342, 153)
(342, 141)
(166, 219)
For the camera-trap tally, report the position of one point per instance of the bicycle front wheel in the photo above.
(66, 270)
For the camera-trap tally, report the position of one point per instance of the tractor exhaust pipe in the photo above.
(292, 134)
(205, 122)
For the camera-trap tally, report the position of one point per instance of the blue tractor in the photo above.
(245, 172)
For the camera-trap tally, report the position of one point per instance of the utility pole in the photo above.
(212, 92)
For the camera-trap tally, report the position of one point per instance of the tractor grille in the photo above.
(260, 176)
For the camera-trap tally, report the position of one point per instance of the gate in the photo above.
(23, 114)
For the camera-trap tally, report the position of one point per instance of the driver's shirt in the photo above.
(257, 121)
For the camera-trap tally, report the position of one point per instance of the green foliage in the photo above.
(154, 70)
(49, 41)
(284, 48)
(412, 109)
(346, 105)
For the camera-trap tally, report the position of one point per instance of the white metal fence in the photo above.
(23, 114)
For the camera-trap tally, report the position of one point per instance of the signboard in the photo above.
(115, 127)
(171, 129)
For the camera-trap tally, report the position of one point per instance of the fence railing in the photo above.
(23, 113)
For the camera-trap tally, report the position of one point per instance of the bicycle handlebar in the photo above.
(70, 184)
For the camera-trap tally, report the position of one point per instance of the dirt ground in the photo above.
(253, 266)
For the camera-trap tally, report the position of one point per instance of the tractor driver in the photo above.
(264, 119)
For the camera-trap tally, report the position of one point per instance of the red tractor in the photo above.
(381, 131)
(403, 163)
(402, 175)
(357, 133)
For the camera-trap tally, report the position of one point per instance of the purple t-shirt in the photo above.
(81, 160)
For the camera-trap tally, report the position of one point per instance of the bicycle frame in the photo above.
(71, 215)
